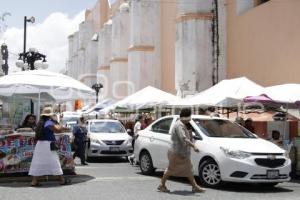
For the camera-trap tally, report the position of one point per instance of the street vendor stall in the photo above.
(16, 148)
(16, 151)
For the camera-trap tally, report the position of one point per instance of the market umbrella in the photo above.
(263, 98)
(60, 87)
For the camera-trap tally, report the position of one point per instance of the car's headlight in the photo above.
(128, 142)
(95, 141)
(235, 154)
(287, 154)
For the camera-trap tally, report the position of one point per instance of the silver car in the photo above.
(107, 138)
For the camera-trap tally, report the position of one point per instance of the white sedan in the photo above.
(107, 138)
(228, 152)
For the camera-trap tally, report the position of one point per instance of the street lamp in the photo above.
(97, 87)
(30, 60)
(32, 20)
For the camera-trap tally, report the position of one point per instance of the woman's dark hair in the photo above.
(40, 126)
(185, 112)
(24, 124)
(275, 135)
(138, 118)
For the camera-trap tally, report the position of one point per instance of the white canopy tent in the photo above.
(149, 97)
(38, 82)
(99, 106)
(227, 93)
(287, 93)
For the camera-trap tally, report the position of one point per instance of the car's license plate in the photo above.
(114, 148)
(272, 174)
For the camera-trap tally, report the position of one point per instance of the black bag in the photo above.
(54, 146)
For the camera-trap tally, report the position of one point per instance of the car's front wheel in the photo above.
(209, 174)
(146, 164)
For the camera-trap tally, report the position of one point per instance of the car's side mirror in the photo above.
(129, 131)
(197, 137)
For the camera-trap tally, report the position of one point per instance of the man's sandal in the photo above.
(198, 189)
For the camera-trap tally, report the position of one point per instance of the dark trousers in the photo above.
(79, 152)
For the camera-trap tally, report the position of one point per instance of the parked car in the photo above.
(228, 152)
(107, 137)
(69, 117)
(71, 124)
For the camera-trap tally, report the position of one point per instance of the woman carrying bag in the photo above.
(45, 160)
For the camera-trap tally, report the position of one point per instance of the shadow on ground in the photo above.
(108, 160)
(232, 187)
(45, 181)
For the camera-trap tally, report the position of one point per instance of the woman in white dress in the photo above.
(46, 161)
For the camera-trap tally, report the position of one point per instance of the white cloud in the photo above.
(49, 37)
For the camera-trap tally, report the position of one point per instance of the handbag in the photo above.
(54, 146)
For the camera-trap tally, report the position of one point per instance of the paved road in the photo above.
(112, 179)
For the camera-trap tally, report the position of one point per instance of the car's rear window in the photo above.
(222, 128)
(107, 127)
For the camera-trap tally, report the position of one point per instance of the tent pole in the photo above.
(39, 104)
(286, 124)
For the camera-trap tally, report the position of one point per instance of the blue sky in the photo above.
(40, 9)
(55, 21)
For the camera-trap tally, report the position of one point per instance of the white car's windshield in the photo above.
(107, 127)
(69, 119)
(222, 128)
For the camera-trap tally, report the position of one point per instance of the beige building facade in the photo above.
(264, 42)
(185, 46)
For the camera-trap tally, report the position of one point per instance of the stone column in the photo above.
(84, 37)
(91, 63)
(85, 33)
(194, 56)
(104, 52)
(75, 55)
(70, 59)
(144, 51)
(119, 59)
(81, 62)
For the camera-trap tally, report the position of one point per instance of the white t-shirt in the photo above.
(137, 128)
